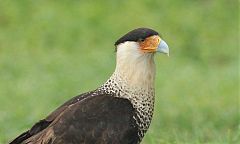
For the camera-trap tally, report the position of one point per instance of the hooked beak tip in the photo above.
(163, 47)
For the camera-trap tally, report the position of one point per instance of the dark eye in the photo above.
(141, 40)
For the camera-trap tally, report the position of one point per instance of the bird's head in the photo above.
(143, 41)
(135, 51)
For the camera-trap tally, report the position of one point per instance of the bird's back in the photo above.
(86, 119)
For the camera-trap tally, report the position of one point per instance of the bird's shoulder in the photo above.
(44, 123)
(84, 113)
(97, 118)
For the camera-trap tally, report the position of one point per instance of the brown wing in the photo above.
(43, 124)
(92, 118)
(101, 119)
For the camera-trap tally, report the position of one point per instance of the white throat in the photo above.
(134, 67)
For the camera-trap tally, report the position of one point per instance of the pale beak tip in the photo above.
(163, 47)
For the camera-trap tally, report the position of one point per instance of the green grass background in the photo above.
(53, 50)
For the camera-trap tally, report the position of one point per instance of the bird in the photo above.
(117, 112)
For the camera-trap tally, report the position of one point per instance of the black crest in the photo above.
(136, 35)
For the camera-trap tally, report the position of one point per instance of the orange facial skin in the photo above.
(150, 44)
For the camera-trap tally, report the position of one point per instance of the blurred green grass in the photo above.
(51, 51)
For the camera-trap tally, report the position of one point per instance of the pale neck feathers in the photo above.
(137, 69)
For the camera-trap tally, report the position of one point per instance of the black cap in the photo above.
(136, 35)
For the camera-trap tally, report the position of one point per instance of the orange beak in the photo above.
(154, 44)
(150, 44)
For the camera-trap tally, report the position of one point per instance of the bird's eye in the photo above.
(141, 40)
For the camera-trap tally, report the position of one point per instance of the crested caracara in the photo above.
(117, 112)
